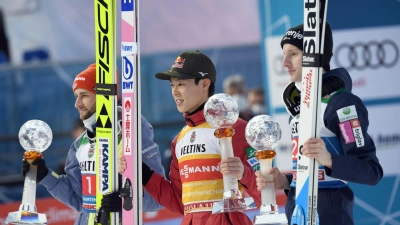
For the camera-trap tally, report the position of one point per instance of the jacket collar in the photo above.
(195, 118)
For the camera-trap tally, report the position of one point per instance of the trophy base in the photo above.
(233, 205)
(25, 217)
(271, 219)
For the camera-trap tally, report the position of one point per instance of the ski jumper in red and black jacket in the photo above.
(195, 180)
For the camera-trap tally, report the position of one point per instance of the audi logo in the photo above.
(371, 55)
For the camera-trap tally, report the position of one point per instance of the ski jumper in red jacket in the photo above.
(195, 180)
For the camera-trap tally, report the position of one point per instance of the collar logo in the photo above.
(179, 62)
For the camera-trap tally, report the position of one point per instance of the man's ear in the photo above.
(206, 83)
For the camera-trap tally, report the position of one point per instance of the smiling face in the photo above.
(187, 95)
(292, 60)
(85, 103)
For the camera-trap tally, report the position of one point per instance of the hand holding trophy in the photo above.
(221, 112)
(263, 133)
(35, 136)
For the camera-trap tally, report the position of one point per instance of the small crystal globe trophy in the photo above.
(221, 112)
(35, 136)
(263, 133)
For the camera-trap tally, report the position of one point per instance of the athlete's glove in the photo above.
(146, 173)
(109, 203)
(42, 169)
(112, 202)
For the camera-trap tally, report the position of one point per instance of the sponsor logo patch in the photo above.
(347, 113)
(179, 63)
(91, 152)
(347, 132)
(357, 131)
(193, 137)
(252, 160)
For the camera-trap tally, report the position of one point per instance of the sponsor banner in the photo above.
(372, 57)
(384, 130)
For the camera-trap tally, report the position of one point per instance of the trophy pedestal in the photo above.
(269, 214)
(271, 219)
(26, 217)
(233, 204)
(27, 212)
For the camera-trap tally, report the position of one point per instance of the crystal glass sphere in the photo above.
(263, 132)
(35, 135)
(221, 111)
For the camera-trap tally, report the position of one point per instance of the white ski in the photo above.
(132, 189)
(305, 212)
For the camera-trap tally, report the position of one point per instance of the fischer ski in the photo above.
(132, 189)
(106, 105)
(305, 212)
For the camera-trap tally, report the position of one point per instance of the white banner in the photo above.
(372, 57)
(384, 129)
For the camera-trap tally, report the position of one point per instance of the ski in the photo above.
(305, 212)
(106, 103)
(132, 189)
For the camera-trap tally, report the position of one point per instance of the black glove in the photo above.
(42, 169)
(102, 217)
(112, 202)
(146, 173)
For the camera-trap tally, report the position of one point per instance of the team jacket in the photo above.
(73, 189)
(195, 180)
(344, 131)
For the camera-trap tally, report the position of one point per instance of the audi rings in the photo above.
(371, 55)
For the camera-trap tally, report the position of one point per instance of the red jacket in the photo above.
(195, 177)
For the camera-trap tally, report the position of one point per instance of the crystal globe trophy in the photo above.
(263, 133)
(221, 112)
(35, 136)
